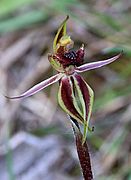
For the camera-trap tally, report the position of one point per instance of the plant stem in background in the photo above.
(9, 159)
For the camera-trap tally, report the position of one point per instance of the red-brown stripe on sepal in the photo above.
(60, 33)
(65, 99)
(88, 95)
(86, 91)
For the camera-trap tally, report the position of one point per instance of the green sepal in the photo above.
(85, 95)
(86, 122)
(60, 33)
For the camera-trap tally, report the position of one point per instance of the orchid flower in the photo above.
(74, 96)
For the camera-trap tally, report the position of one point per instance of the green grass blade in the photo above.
(8, 6)
(22, 21)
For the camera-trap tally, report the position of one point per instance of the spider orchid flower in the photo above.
(74, 96)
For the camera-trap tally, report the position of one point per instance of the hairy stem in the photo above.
(84, 157)
(83, 152)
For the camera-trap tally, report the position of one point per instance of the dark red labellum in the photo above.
(71, 57)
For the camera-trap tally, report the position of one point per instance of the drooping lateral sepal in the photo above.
(66, 99)
(38, 87)
(86, 96)
(76, 99)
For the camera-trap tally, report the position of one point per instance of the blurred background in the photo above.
(36, 138)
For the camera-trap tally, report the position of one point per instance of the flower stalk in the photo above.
(82, 151)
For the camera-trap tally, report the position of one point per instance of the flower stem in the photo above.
(84, 157)
(83, 152)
